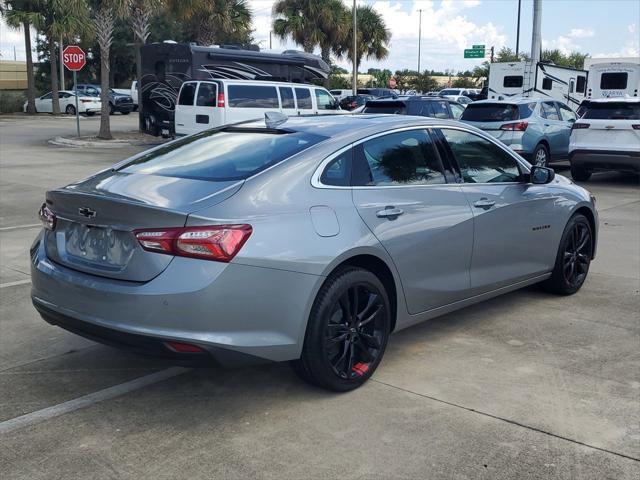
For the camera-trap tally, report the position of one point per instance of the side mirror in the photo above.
(541, 175)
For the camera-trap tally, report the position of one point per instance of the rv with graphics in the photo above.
(526, 79)
(166, 66)
(613, 77)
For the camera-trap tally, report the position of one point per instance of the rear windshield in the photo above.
(611, 111)
(222, 155)
(497, 112)
(386, 107)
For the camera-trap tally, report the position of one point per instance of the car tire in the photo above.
(540, 157)
(579, 173)
(70, 110)
(90, 114)
(112, 109)
(573, 257)
(347, 331)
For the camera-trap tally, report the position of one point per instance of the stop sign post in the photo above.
(74, 59)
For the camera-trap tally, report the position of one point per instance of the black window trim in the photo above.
(434, 131)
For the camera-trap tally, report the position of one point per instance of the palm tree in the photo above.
(103, 14)
(23, 14)
(373, 37)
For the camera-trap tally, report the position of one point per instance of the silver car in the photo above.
(308, 241)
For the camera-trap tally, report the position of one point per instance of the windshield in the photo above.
(497, 112)
(222, 155)
(450, 91)
(611, 111)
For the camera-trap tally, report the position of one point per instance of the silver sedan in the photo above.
(307, 240)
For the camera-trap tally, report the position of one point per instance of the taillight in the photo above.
(47, 217)
(180, 347)
(579, 126)
(518, 126)
(636, 126)
(216, 242)
(86, 101)
(221, 99)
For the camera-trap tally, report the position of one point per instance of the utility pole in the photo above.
(419, 38)
(518, 29)
(355, 48)
(492, 54)
(536, 37)
(61, 66)
(270, 47)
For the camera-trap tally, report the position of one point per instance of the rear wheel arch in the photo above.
(380, 269)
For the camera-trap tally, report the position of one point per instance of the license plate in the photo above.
(165, 132)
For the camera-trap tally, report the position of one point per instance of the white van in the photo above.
(205, 104)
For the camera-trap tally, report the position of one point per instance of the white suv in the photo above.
(605, 137)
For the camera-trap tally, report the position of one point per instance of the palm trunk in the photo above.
(105, 121)
(31, 90)
(54, 77)
(141, 23)
(325, 53)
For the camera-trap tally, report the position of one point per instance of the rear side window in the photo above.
(286, 96)
(304, 99)
(338, 172)
(549, 111)
(480, 160)
(611, 111)
(566, 113)
(250, 96)
(547, 84)
(207, 95)
(398, 108)
(491, 112)
(439, 109)
(403, 158)
(512, 81)
(222, 155)
(614, 81)
(187, 94)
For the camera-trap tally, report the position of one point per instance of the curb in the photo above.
(95, 143)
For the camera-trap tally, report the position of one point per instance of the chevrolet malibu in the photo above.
(307, 240)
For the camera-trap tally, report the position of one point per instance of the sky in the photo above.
(602, 28)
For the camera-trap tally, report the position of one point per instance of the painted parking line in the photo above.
(13, 284)
(19, 227)
(90, 399)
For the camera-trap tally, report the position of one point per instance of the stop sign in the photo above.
(74, 58)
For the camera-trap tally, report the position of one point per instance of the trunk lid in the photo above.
(96, 219)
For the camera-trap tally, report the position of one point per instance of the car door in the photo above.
(424, 223)
(45, 103)
(185, 116)
(516, 231)
(287, 101)
(568, 118)
(208, 112)
(249, 102)
(553, 128)
(303, 101)
(325, 103)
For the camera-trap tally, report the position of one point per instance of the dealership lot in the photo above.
(527, 385)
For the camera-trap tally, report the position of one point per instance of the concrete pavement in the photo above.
(527, 385)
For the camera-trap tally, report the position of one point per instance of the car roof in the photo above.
(411, 98)
(351, 124)
(255, 82)
(516, 100)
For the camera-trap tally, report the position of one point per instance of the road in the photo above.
(528, 385)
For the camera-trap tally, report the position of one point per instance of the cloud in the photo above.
(631, 47)
(566, 43)
(580, 33)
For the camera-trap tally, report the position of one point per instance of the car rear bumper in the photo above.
(127, 107)
(606, 159)
(230, 310)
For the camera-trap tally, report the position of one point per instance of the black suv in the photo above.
(420, 105)
(118, 102)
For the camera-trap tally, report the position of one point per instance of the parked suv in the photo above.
(118, 102)
(605, 137)
(536, 128)
(419, 105)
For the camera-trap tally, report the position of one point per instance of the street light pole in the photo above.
(419, 38)
(355, 48)
(518, 29)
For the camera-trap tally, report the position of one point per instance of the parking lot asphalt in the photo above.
(527, 385)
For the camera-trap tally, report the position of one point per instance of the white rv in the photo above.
(613, 77)
(525, 79)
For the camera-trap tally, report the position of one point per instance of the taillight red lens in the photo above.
(579, 126)
(216, 242)
(47, 217)
(636, 126)
(518, 126)
(221, 99)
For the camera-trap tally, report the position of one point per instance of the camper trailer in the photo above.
(518, 79)
(165, 66)
(613, 77)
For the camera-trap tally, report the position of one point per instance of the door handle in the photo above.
(484, 203)
(389, 212)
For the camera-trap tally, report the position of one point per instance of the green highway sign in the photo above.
(478, 47)
(473, 53)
